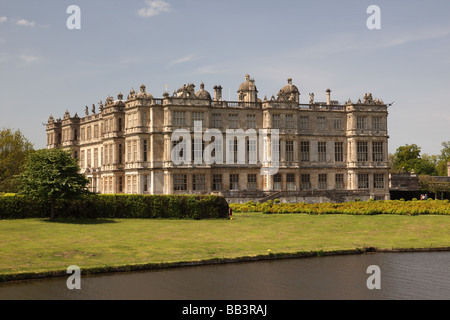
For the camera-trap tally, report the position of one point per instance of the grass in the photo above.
(38, 245)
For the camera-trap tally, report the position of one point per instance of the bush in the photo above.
(112, 206)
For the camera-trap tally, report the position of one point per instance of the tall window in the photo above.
(89, 134)
(120, 153)
(378, 181)
(304, 123)
(377, 151)
(276, 120)
(233, 121)
(252, 151)
(305, 180)
(120, 184)
(290, 181)
(377, 123)
(216, 120)
(361, 123)
(322, 180)
(304, 151)
(363, 181)
(145, 147)
(179, 182)
(82, 160)
(289, 121)
(322, 151)
(362, 151)
(339, 181)
(135, 151)
(198, 182)
(321, 123)
(89, 158)
(251, 121)
(145, 183)
(234, 182)
(96, 158)
(277, 182)
(217, 182)
(339, 151)
(338, 124)
(251, 182)
(120, 124)
(198, 116)
(179, 118)
(289, 150)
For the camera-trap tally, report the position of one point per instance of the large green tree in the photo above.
(408, 158)
(14, 150)
(444, 157)
(52, 176)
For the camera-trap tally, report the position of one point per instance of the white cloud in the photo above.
(183, 59)
(3, 19)
(28, 58)
(25, 23)
(154, 7)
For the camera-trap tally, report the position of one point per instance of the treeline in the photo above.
(105, 206)
(371, 207)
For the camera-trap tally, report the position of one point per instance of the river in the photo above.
(405, 276)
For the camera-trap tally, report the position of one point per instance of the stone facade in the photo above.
(327, 151)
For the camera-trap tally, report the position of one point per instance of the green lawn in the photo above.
(37, 245)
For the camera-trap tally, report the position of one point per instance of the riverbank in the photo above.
(36, 248)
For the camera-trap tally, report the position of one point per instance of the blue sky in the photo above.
(45, 68)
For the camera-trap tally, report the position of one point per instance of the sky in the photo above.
(47, 67)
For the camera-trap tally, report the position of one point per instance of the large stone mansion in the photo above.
(328, 151)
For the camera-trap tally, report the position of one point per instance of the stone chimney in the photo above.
(328, 97)
(218, 93)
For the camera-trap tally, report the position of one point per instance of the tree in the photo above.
(444, 157)
(406, 157)
(51, 175)
(14, 150)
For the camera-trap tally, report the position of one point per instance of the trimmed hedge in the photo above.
(119, 206)
(371, 207)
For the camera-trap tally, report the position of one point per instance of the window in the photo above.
(145, 183)
(120, 124)
(305, 182)
(198, 182)
(83, 137)
(75, 134)
(88, 164)
(377, 151)
(179, 182)
(216, 120)
(276, 121)
(134, 151)
(233, 121)
(304, 151)
(321, 123)
(217, 182)
(179, 118)
(251, 182)
(144, 118)
(322, 151)
(363, 181)
(96, 131)
(339, 181)
(120, 153)
(197, 116)
(361, 123)
(179, 146)
(234, 182)
(197, 151)
(89, 134)
(339, 151)
(277, 182)
(82, 163)
(304, 123)
(338, 124)
(290, 181)
(378, 181)
(322, 180)
(251, 121)
(252, 151)
(120, 184)
(289, 150)
(290, 121)
(128, 152)
(377, 123)
(362, 151)
(145, 151)
(96, 158)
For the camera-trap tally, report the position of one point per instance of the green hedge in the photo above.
(119, 206)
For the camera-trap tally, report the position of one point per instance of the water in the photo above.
(405, 276)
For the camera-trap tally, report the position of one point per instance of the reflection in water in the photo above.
(403, 276)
